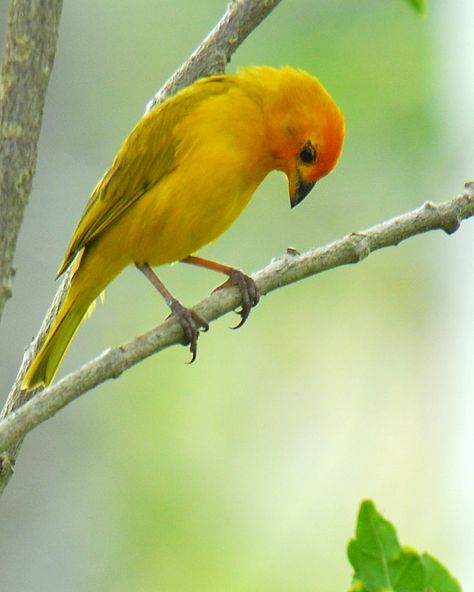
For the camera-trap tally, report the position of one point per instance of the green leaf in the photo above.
(379, 562)
(418, 5)
(438, 577)
(374, 547)
(408, 573)
(382, 565)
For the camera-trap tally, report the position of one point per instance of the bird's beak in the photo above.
(299, 189)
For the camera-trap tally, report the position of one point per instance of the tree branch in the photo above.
(30, 47)
(280, 272)
(214, 53)
(241, 17)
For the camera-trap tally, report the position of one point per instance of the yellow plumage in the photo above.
(185, 173)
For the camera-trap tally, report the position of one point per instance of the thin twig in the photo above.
(30, 47)
(280, 272)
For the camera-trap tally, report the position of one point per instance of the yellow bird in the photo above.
(180, 179)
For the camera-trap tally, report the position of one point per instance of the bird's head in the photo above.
(305, 128)
(310, 152)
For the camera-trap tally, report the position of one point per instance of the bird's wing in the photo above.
(144, 159)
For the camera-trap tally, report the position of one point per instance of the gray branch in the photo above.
(282, 271)
(214, 53)
(30, 47)
(211, 57)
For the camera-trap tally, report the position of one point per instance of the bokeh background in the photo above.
(245, 470)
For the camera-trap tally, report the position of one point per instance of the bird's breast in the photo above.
(175, 219)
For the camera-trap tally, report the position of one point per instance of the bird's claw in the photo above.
(192, 323)
(248, 291)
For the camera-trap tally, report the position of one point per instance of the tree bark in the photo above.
(30, 47)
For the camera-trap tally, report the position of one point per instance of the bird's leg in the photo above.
(190, 320)
(248, 288)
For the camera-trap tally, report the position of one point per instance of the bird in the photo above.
(181, 178)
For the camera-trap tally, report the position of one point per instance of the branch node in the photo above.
(448, 221)
(429, 206)
(469, 187)
(118, 353)
(361, 245)
(6, 291)
(219, 62)
(7, 463)
(451, 223)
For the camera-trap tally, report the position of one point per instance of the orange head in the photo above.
(305, 128)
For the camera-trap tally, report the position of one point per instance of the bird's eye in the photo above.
(308, 154)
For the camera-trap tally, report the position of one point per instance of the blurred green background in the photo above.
(244, 471)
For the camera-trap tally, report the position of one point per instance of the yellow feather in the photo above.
(185, 173)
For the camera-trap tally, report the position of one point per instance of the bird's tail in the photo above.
(91, 271)
(46, 363)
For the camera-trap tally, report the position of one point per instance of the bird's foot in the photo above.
(192, 323)
(248, 291)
